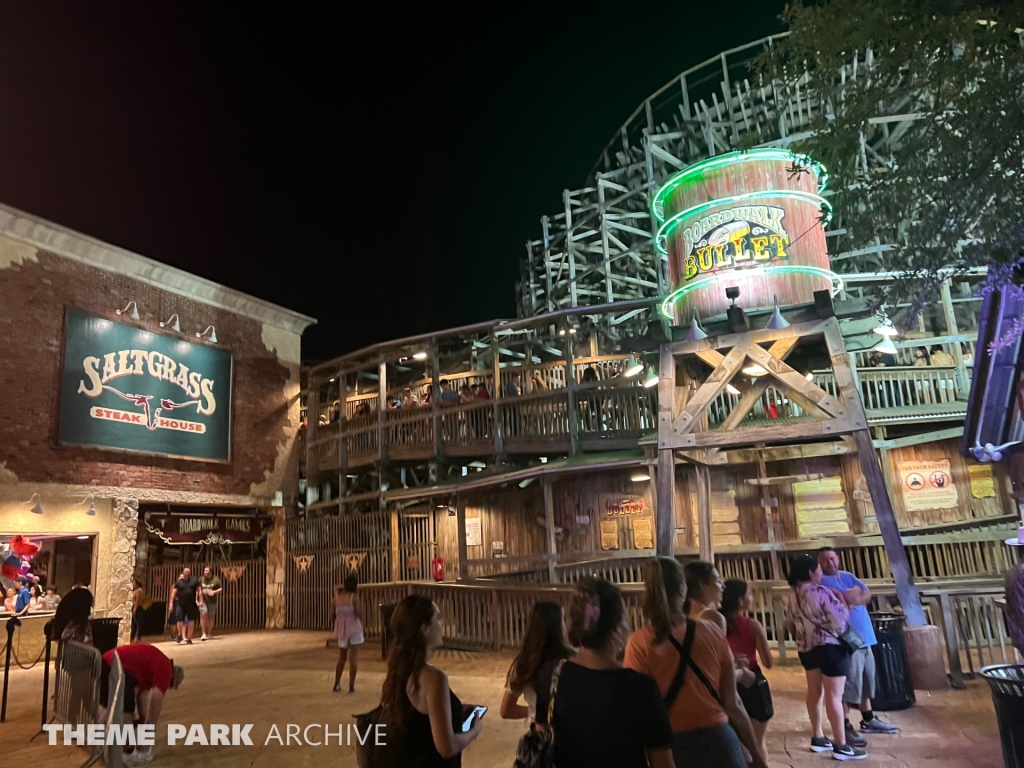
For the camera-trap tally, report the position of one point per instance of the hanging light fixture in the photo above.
(755, 370)
(652, 377)
(420, 356)
(886, 328)
(633, 366)
(777, 321)
(731, 389)
(696, 332)
(639, 477)
(175, 326)
(37, 508)
(135, 310)
(886, 347)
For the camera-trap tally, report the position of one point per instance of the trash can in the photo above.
(385, 628)
(1007, 684)
(893, 687)
(104, 633)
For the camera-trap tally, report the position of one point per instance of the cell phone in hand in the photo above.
(477, 712)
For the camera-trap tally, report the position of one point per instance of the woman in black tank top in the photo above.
(416, 694)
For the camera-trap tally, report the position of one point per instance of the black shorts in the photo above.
(832, 660)
(187, 609)
(130, 684)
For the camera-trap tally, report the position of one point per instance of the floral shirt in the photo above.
(814, 608)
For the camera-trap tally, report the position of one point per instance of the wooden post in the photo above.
(910, 598)
(435, 398)
(766, 497)
(382, 402)
(395, 551)
(460, 523)
(707, 547)
(962, 387)
(665, 478)
(549, 529)
(956, 672)
(570, 391)
(312, 423)
(497, 394)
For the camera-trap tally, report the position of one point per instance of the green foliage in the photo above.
(947, 188)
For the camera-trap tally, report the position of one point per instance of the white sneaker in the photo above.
(203, 637)
(138, 757)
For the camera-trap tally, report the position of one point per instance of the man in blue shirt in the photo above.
(24, 600)
(860, 683)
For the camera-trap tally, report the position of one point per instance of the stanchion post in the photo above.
(46, 671)
(12, 624)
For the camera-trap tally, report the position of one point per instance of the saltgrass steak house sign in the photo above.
(130, 389)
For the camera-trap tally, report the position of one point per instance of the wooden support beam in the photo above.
(709, 390)
(782, 453)
(881, 500)
(460, 524)
(551, 547)
(766, 496)
(570, 390)
(927, 437)
(704, 526)
(795, 382)
(801, 430)
(382, 403)
(963, 386)
(761, 336)
(665, 478)
(396, 566)
(435, 398)
(496, 395)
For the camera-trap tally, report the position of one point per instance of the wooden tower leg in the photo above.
(910, 598)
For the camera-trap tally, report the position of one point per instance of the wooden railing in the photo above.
(494, 616)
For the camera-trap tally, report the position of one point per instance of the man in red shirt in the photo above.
(148, 673)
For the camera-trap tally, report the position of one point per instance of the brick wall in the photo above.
(33, 296)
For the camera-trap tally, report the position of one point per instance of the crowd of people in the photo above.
(29, 596)
(685, 689)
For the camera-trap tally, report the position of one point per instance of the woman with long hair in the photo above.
(703, 704)
(348, 629)
(817, 617)
(422, 712)
(544, 645)
(748, 641)
(603, 714)
(71, 619)
(703, 593)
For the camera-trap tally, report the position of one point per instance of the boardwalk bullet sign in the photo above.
(129, 389)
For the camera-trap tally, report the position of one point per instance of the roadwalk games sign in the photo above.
(130, 389)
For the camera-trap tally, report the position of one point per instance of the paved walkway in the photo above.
(268, 678)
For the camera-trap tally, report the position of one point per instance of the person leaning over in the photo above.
(602, 714)
(691, 662)
(148, 673)
(817, 616)
(860, 682)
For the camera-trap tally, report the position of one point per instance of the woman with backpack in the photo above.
(602, 714)
(544, 645)
(693, 667)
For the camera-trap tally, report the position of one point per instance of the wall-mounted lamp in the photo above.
(633, 366)
(420, 356)
(639, 477)
(175, 326)
(209, 330)
(37, 507)
(91, 511)
(135, 310)
(652, 378)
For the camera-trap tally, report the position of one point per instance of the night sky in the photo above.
(376, 166)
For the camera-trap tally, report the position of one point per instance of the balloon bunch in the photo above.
(17, 560)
